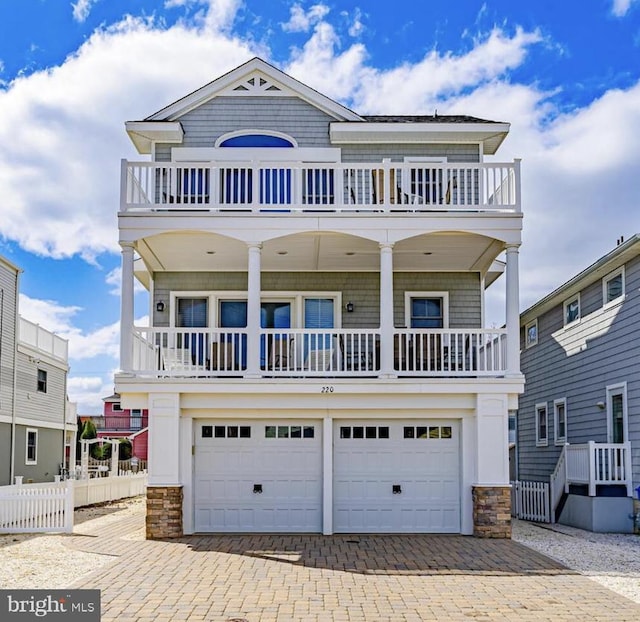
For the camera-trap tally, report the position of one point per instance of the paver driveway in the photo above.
(261, 578)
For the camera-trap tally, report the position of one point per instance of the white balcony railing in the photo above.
(296, 352)
(599, 464)
(341, 187)
(38, 338)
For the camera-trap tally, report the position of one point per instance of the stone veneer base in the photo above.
(492, 511)
(164, 512)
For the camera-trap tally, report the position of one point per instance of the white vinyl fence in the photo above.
(29, 508)
(32, 508)
(530, 501)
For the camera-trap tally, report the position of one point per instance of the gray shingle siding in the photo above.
(363, 289)
(578, 362)
(308, 125)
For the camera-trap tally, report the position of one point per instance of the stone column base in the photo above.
(492, 511)
(164, 512)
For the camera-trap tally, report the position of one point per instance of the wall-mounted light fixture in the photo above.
(160, 306)
(601, 405)
(349, 307)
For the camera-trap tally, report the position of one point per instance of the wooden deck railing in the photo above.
(599, 464)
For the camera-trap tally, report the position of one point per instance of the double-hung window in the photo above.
(31, 449)
(542, 425)
(572, 310)
(613, 286)
(560, 421)
(42, 381)
(531, 334)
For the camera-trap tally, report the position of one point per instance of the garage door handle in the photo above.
(397, 489)
(257, 489)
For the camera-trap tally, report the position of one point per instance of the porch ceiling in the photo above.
(313, 251)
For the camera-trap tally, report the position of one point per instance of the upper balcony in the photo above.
(42, 341)
(281, 188)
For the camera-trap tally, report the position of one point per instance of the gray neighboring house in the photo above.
(578, 421)
(37, 422)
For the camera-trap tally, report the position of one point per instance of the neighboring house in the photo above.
(579, 417)
(119, 422)
(37, 422)
(317, 359)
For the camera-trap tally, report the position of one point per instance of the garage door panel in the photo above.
(422, 458)
(228, 469)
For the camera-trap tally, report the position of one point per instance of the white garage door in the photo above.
(258, 476)
(400, 476)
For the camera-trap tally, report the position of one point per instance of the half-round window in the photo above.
(256, 140)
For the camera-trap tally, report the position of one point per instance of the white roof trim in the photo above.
(490, 135)
(144, 133)
(239, 75)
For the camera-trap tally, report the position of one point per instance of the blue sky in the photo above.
(566, 75)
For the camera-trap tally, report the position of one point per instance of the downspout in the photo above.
(64, 424)
(14, 408)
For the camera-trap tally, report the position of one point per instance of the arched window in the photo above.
(256, 138)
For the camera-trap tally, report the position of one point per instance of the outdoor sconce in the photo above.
(396, 489)
(601, 405)
(349, 307)
(160, 306)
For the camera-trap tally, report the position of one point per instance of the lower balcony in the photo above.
(322, 353)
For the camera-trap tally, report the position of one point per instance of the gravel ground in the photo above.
(612, 560)
(46, 562)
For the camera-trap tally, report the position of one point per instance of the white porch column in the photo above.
(253, 312)
(513, 312)
(126, 308)
(386, 310)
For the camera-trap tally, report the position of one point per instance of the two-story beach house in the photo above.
(578, 423)
(317, 359)
(37, 422)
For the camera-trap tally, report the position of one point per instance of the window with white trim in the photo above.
(617, 416)
(31, 449)
(572, 310)
(560, 421)
(531, 334)
(613, 286)
(542, 427)
(427, 309)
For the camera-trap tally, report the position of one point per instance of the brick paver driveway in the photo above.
(262, 578)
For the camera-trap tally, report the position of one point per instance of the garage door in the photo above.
(401, 476)
(258, 476)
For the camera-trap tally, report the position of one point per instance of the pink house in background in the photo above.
(119, 423)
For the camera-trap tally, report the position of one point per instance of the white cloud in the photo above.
(88, 392)
(114, 280)
(577, 199)
(301, 20)
(81, 9)
(621, 7)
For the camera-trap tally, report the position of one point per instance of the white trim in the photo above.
(408, 296)
(613, 390)
(26, 446)
(257, 154)
(542, 442)
(406, 181)
(565, 305)
(296, 299)
(250, 132)
(605, 281)
(559, 440)
(242, 73)
(533, 342)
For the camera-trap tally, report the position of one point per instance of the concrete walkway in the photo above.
(263, 578)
